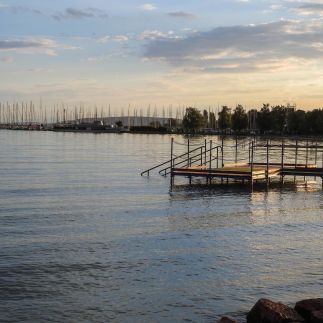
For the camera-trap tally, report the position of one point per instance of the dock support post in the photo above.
(306, 153)
(252, 147)
(222, 152)
(171, 154)
(188, 153)
(210, 155)
(251, 165)
(306, 159)
(249, 152)
(236, 158)
(205, 152)
(296, 157)
(282, 162)
(267, 171)
(171, 163)
(315, 162)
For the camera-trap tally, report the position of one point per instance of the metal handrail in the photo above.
(166, 172)
(169, 171)
(170, 161)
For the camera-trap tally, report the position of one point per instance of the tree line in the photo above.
(266, 120)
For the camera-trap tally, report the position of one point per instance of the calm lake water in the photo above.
(85, 238)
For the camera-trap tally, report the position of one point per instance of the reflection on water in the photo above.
(85, 238)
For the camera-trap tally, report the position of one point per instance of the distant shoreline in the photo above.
(156, 132)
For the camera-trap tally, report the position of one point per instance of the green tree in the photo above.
(264, 118)
(252, 119)
(239, 118)
(193, 119)
(212, 120)
(224, 118)
(119, 123)
(297, 122)
(278, 115)
(206, 117)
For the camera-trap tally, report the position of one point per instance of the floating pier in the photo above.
(248, 162)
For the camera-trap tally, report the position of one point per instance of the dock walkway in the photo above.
(252, 162)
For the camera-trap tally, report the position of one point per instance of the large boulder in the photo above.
(317, 317)
(308, 307)
(267, 311)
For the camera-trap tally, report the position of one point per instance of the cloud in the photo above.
(181, 14)
(33, 46)
(148, 7)
(155, 34)
(310, 9)
(74, 13)
(19, 9)
(117, 38)
(241, 48)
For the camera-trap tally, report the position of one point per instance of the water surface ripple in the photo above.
(84, 238)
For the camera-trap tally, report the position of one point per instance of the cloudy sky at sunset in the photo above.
(192, 52)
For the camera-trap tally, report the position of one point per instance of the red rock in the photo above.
(306, 307)
(317, 317)
(226, 319)
(267, 311)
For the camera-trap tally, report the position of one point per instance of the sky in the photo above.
(185, 52)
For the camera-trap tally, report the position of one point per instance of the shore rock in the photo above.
(226, 319)
(317, 317)
(311, 309)
(267, 311)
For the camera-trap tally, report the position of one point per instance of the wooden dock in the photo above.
(252, 162)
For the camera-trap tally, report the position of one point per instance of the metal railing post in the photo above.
(210, 154)
(282, 162)
(188, 153)
(267, 175)
(171, 154)
(205, 148)
(306, 153)
(222, 149)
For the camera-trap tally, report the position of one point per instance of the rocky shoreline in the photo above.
(267, 311)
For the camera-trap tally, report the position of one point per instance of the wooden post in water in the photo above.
(210, 166)
(217, 157)
(306, 153)
(282, 161)
(188, 153)
(222, 149)
(205, 148)
(171, 163)
(251, 168)
(306, 157)
(249, 156)
(236, 158)
(296, 157)
(315, 161)
(267, 171)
